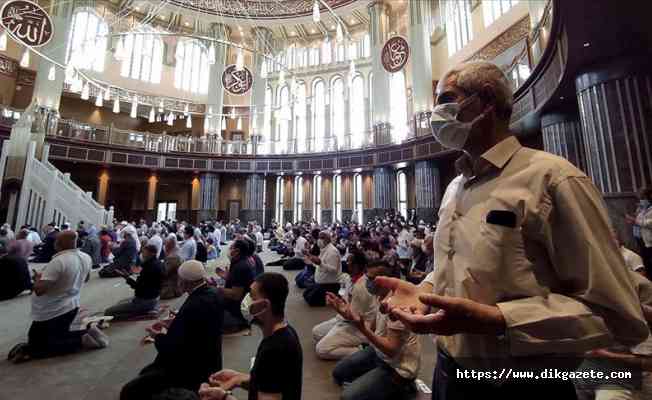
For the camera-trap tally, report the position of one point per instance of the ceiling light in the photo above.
(232, 113)
(312, 31)
(137, 8)
(152, 115)
(161, 106)
(223, 124)
(52, 74)
(70, 72)
(107, 94)
(239, 124)
(186, 109)
(116, 105)
(332, 26)
(24, 60)
(134, 107)
(315, 11)
(587, 44)
(85, 93)
(187, 23)
(161, 16)
(3, 41)
(293, 33)
(99, 100)
(353, 20)
(188, 122)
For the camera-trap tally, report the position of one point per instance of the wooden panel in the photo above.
(303, 165)
(135, 160)
(274, 165)
(77, 153)
(201, 164)
(231, 165)
(58, 151)
(151, 161)
(119, 158)
(218, 164)
(287, 165)
(245, 165)
(328, 164)
(95, 155)
(315, 164)
(261, 166)
(171, 163)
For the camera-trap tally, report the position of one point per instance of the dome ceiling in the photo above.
(258, 9)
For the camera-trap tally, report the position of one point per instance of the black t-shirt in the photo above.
(279, 366)
(241, 274)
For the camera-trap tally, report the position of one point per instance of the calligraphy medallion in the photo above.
(395, 54)
(237, 82)
(27, 22)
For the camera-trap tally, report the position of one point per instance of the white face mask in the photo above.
(321, 243)
(246, 305)
(448, 131)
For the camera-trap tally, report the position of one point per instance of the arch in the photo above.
(356, 104)
(398, 106)
(283, 118)
(318, 114)
(338, 114)
(300, 120)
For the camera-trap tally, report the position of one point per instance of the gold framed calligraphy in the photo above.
(237, 82)
(27, 22)
(395, 54)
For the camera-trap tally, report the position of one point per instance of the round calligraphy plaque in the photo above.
(237, 82)
(395, 54)
(27, 22)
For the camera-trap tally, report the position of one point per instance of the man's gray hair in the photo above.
(471, 77)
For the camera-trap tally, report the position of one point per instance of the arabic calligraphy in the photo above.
(237, 82)
(27, 22)
(395, 54)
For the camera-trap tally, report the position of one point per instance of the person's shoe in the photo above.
(18, 354)
(15, 350)
(95, 339)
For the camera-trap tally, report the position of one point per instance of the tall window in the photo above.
(371, 99)
(191, 72)
(402, 193)
(316, 198)
(318, 115)
(337, 107)
(282, 121)
(144, 57)
(357, 112)
(300, 117)
(353, 50)
(493, 9)
(87, 41)
(267, 116)
(337, 197)
(357, 191)
(314, 56)
(366, 46)
(326, 56)
(340, 54)
(398, 105)
(457, 15)
(279, 200)
(298, 199)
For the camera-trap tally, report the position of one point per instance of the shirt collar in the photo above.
(497, 156)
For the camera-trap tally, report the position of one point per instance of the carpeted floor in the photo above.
(99, 375)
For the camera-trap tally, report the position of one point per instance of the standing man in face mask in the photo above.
(278, 367)
(526, 266)
(642, 226)
(328, 267)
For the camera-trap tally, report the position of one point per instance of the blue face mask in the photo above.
(645, 203)
(371, 286)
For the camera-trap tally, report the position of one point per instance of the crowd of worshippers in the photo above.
(523, 269)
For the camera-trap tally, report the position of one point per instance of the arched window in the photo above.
(318, 115)
(191, 71)
(492, 10)
(366, 46)
(357, 112)
(300, 120)
(314, 56)
(279, 200)
(337, 114)
(326, 56)
(337, 198)
(340, 54)
(87, 41)
(144, 59)
(267, 122)
(298, 199)
(398, 106)
(282, 121)
(459, 30)
(402, 193)
(357, 191)
(316, 196)
(352, 51)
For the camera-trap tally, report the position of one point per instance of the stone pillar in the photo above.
(102, 186)
(616, 117)
(263, 43)
(209, 183)
(427, 186)
(420, 21)
(254, 199)
(215, 99)
(384, 190)
(152, 185)
(562, 135)
(379, 29)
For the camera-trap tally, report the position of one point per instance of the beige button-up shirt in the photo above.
(555, 273)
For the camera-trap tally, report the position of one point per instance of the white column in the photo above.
(379, 29)
(263, 45)
(215, 99)
(420, 16)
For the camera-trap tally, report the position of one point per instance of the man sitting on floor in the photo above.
(338, 338)
(386, 370)
(278, 366)
(328, 267)
(55, 304)
(147, 288)
(191, 349)
(240, 277)
(124, 256)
